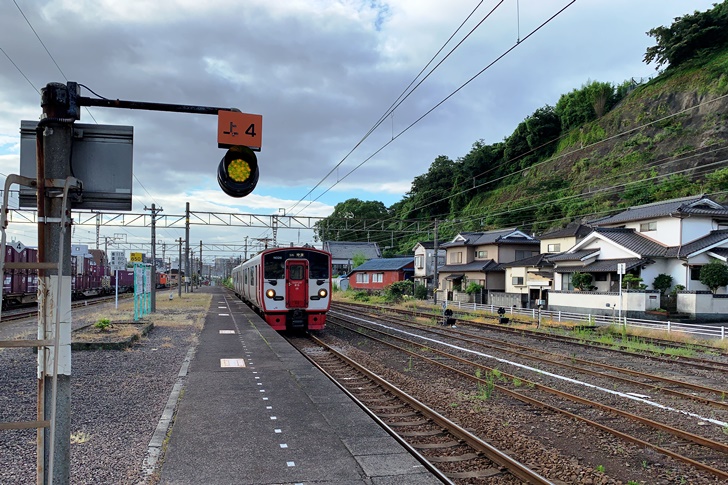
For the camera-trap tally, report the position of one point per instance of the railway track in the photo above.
(620, 345)
(698, 451)
(446, 449)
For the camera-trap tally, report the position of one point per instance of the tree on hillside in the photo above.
(350, 220)
(689, 36)
(428, 197)
(585, 104)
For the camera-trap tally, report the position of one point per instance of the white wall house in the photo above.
(675, 237)
(425, 263)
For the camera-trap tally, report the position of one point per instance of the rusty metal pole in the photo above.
(54, 162)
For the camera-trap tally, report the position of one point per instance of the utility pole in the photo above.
(200, 272)
(435, 281)
(154, 255)
(245, 254)
(187, 244)
(54, 141)
(179, 270)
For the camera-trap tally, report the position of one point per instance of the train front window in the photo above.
(275, 269)
(318, 266)
(296, 272)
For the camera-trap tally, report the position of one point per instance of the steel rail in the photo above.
(685, 435)
(480, 340)
(516, 468)
(693, 362)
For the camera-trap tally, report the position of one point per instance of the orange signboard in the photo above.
(236, 128)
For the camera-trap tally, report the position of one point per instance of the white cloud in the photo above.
(321, 72)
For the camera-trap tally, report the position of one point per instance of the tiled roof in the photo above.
(573, 229)
(426, 244)
(347, 250)
(605, 266)
(722, 252)
(633, 241)
(684, 206)
(500, 236)
(575, 256)
(533, 261)
(384, 264)
(483, 266)
(712, 238)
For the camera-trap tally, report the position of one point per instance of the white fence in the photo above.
(713, 331)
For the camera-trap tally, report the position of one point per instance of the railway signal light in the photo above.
(237, 173)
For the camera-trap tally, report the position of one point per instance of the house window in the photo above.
(648, 226)
(482, 254)
(362, 277)
(419, 261)
(523, 254)
(566, 282)
(518, 281)
(695, 273)
(553, 248)
(377, 277)
(456, 257)
(600, 276)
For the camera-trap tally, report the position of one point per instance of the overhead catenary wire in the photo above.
(405, 93)
(433, 108)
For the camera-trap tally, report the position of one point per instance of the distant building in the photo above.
(343, 253)
(425, 263)
(376, 274)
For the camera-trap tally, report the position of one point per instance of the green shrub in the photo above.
(103, 324)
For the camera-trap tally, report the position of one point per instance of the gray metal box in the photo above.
(101, 159)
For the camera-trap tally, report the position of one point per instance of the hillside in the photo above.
(658, 143)
(599, 149)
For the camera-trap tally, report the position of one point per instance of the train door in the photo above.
(297, 283)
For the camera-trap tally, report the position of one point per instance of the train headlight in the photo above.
(270, 293)
(322, 293)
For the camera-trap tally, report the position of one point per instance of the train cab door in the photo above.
(296, 283)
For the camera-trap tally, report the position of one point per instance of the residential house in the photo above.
(529, 280)
(343, 254)
(675, 237)
(376, 274)
(425, 263)
(477, 257)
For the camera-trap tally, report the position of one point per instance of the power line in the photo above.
(397, 102)
(442, 101)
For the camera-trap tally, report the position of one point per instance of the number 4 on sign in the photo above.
(239, 129)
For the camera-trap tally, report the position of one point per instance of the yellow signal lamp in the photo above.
(238, 173)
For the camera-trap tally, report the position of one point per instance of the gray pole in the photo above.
(435, 281)
(200, 272)
(54, 162)
(154, 255)
(179, 270)
(187, 244)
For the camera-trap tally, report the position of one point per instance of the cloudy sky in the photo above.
(321, 73)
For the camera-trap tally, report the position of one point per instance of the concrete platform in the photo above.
(272, 418)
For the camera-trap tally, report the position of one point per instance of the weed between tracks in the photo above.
(186, 312)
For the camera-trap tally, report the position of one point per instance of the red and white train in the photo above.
(289, 287)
